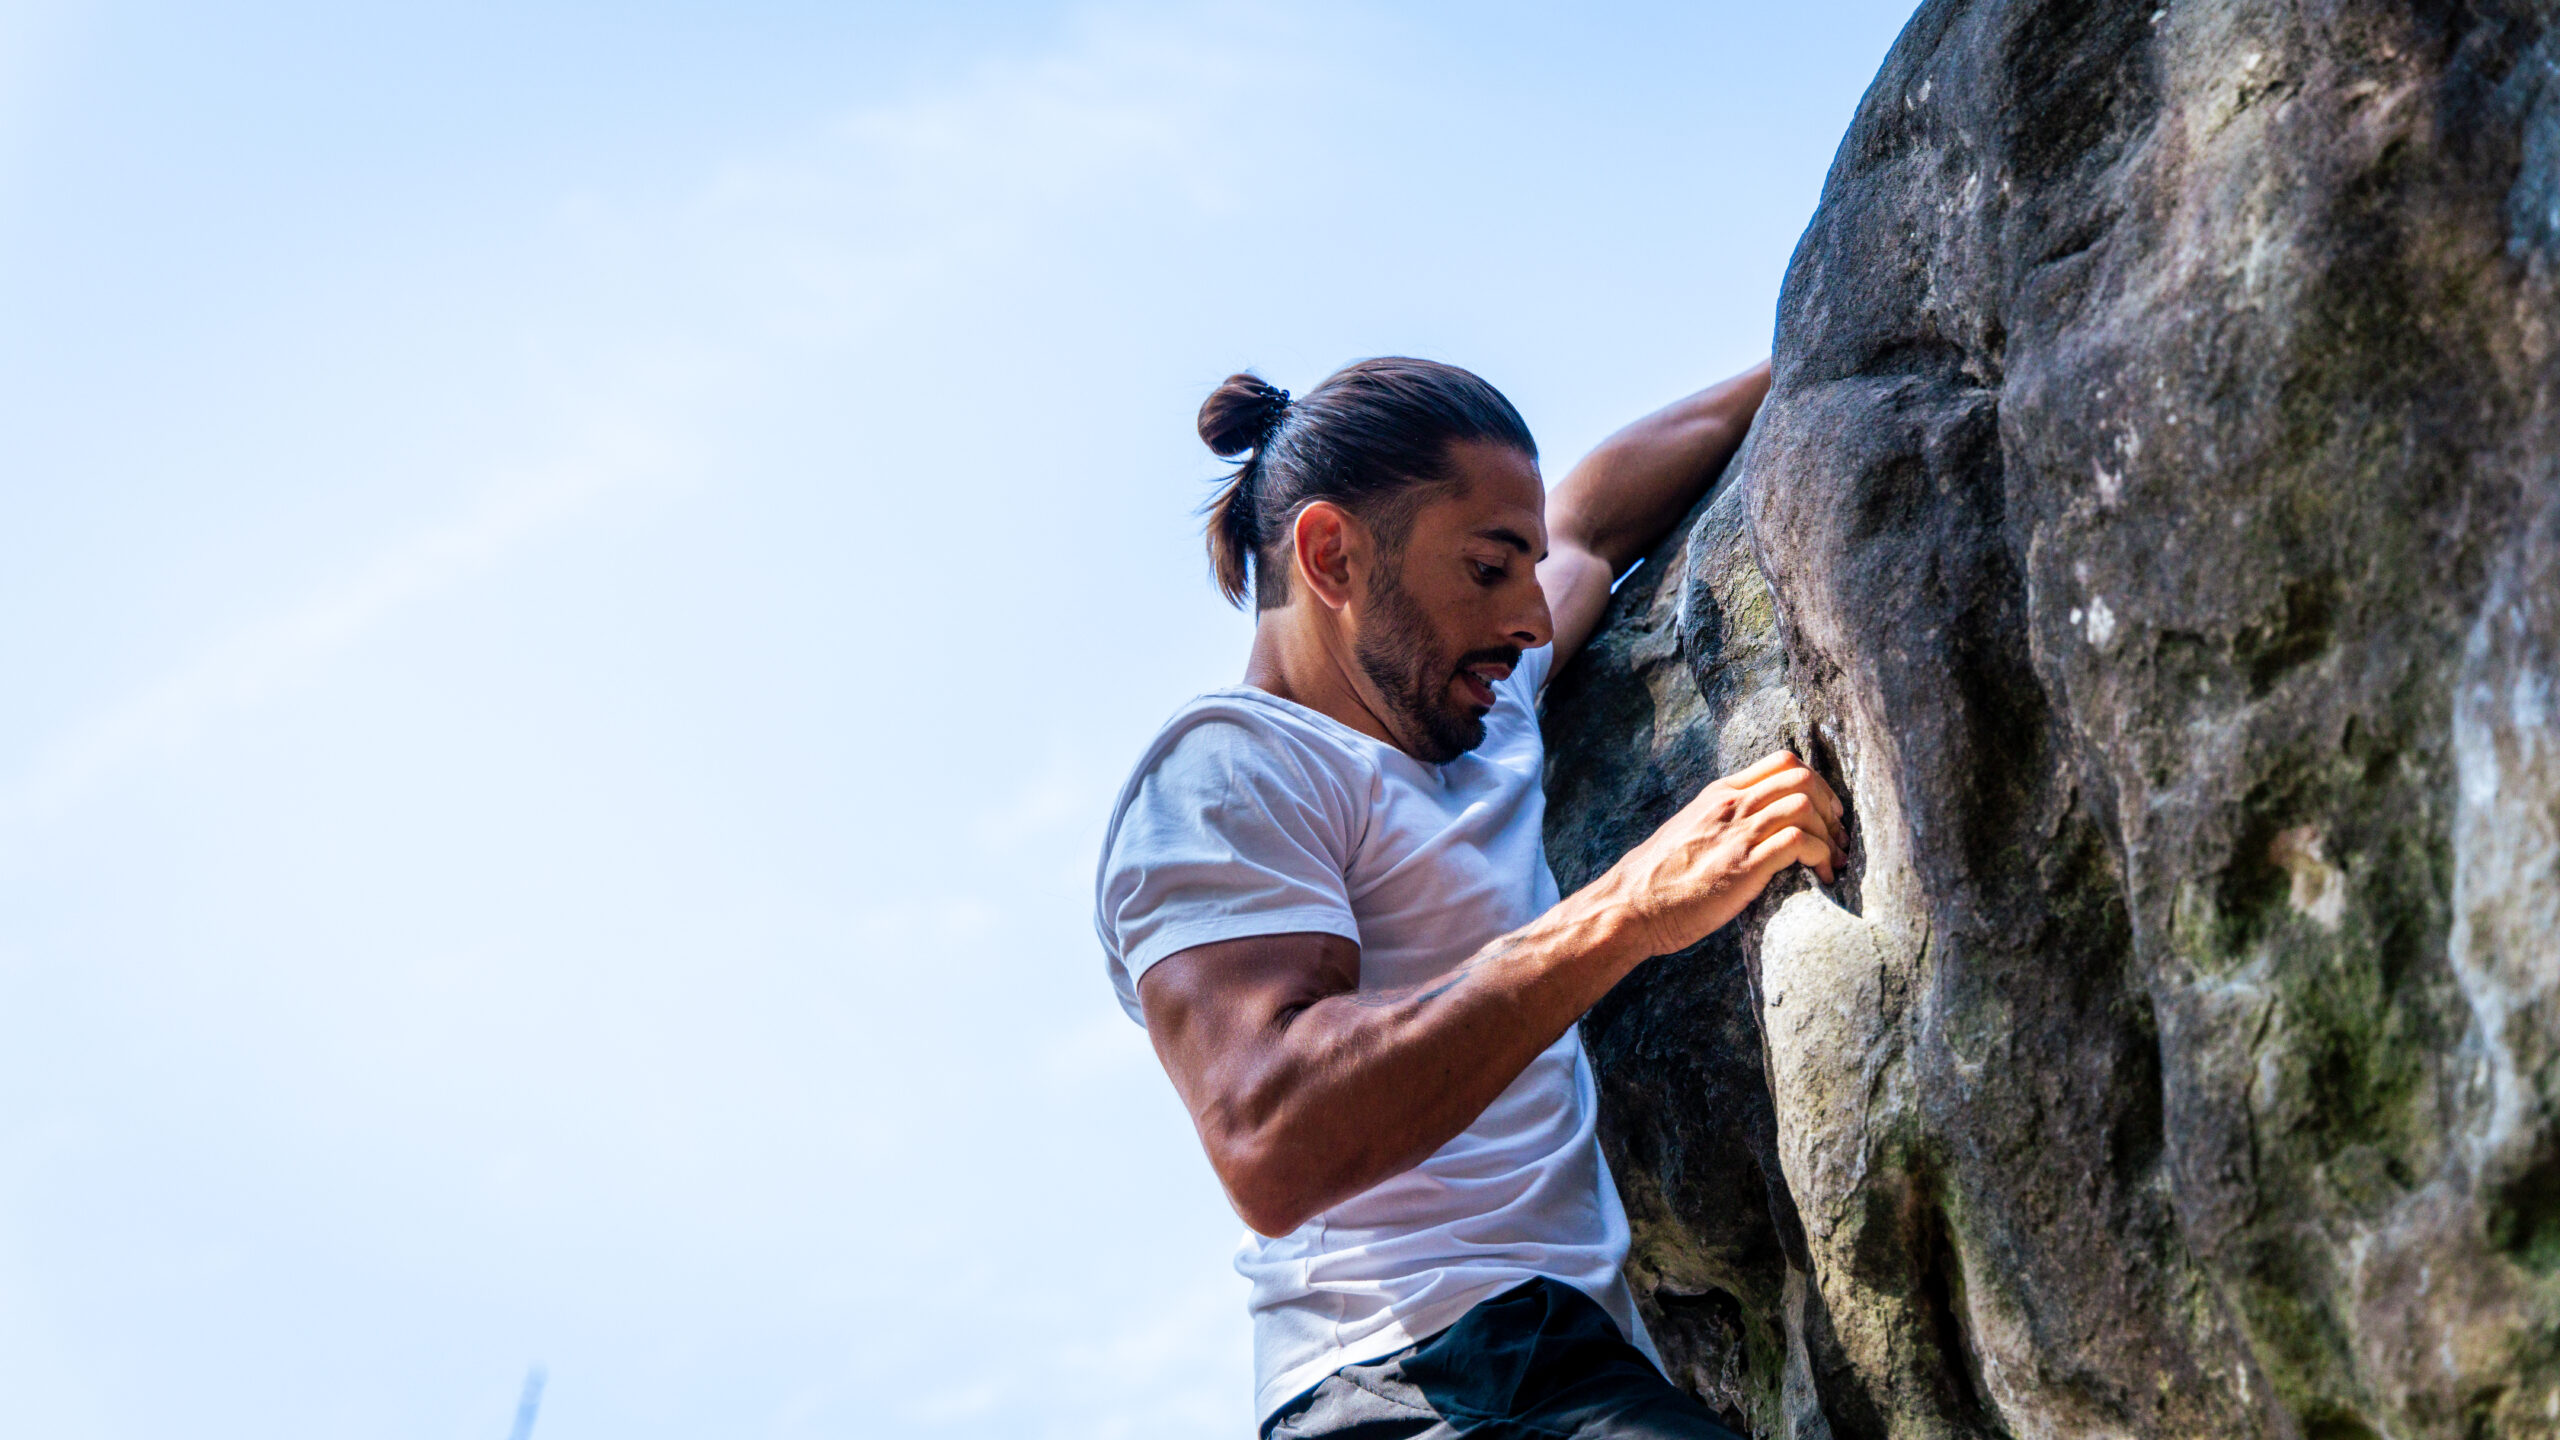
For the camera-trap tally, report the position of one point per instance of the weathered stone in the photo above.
(1691, 1134)
(2157, 531)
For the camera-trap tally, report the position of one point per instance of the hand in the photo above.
(1723, 849)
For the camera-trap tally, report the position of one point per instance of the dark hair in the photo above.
(1374, 438)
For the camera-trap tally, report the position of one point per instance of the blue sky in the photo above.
(578, 581)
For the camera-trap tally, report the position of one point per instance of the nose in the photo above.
(1535, 625)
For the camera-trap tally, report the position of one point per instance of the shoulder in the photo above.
(1237, 762)
(1242, 738)
(1239, 819)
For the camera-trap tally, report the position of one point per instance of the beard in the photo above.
(1401, 656)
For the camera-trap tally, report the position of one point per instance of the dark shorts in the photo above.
(1538, 1360)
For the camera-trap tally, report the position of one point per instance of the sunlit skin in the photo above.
(1306, 1090)
(1470, 566)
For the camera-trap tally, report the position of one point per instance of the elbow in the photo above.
(1268, 1193)
(1272, 1222)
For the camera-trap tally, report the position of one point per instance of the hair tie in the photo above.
(1278, 400)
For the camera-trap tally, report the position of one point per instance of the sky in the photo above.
(578, 581)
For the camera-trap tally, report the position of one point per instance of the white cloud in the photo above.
(1126, 93)
(1139, 111)
(241, 670)
(818, 239)
(1047, 807)
(949, 1404)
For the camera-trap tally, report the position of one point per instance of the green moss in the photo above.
(2522, 1218)
(2294, 1330)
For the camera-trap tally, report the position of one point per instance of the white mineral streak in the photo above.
(2102, 622)
(2506, 846)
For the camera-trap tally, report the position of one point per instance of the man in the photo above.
(1324, 894)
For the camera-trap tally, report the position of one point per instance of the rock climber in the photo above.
(1324, 894)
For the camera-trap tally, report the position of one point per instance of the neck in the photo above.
(1302, 658)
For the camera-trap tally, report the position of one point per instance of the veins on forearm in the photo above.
(1429, 990)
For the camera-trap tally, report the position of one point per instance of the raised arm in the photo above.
(1307, 1091)
(1629, 490)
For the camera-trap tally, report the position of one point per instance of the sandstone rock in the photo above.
(2154, 531)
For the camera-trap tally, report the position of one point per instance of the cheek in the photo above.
(1477, 617)
(1456, 601)
(1426, 631)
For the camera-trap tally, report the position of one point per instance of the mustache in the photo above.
(1490, 655)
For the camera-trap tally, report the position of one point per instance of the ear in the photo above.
(1329, 545)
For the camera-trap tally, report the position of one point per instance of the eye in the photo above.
(1487, 574)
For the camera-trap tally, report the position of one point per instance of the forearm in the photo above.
(1307, 1090)
(1637, 483)
(1362, 1086)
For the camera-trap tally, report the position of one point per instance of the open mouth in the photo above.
(1476, 681)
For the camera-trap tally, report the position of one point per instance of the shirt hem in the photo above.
(1404, 1330)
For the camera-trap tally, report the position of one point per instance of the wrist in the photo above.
(1604, 922)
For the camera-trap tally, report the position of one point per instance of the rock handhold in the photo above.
(2154, 532)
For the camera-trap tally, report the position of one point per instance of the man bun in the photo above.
(1238, 419)
(1374, 438)
(1240, 413)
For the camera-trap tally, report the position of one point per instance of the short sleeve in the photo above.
(1227, 830)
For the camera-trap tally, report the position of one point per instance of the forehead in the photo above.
(1499, 487)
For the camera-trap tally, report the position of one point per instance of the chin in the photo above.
(1450, 734)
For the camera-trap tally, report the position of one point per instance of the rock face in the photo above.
(2154, 532)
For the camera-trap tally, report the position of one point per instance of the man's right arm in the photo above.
(1307, 1090)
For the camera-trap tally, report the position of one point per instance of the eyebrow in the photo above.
(1509, 537)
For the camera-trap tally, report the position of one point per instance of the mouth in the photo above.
(1476, 681)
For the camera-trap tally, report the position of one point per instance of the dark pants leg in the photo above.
(1540, 1361)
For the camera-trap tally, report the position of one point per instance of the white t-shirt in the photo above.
(1251, 815)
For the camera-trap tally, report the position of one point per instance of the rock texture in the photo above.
(2154, 531)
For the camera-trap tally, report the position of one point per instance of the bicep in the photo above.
(1577, 583)
(1215, 1012)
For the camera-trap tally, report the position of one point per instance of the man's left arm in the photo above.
(1628, 491)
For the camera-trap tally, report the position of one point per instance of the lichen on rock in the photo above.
(2154, 532)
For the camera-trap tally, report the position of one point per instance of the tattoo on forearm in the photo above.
(1433, 989)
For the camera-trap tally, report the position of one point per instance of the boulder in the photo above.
(2153, 532)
